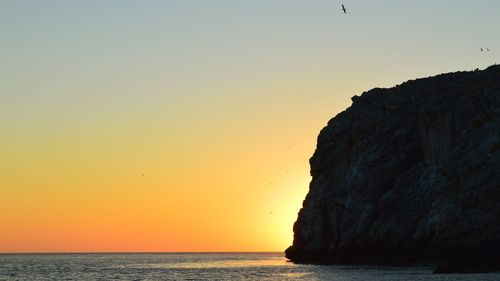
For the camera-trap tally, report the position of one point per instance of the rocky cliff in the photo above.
(409, 174)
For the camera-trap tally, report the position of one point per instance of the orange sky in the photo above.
(143, 182)
(89, 191)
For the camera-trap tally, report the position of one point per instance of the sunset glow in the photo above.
(188, 125)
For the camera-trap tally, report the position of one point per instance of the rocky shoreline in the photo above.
(409, 174)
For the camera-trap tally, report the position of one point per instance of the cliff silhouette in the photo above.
(409, 174)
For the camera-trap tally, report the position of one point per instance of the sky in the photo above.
(188, 125)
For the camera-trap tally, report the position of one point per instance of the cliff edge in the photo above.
(409, 174)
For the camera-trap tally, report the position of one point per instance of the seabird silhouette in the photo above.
(343, 9)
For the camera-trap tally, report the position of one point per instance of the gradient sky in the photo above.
(188, 125)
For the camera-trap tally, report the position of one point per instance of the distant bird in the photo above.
(487, 49)
(344, 9)
(482, 50)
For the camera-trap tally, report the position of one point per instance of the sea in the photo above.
(202, 266)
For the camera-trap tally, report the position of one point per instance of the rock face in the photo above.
(409, 174)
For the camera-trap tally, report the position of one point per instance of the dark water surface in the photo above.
(201, 266)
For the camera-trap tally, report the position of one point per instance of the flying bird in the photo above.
(344, 9)
(482, 49)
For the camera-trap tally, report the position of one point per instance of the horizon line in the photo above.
(141, 252)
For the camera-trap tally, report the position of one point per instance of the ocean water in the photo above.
(201, 266)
